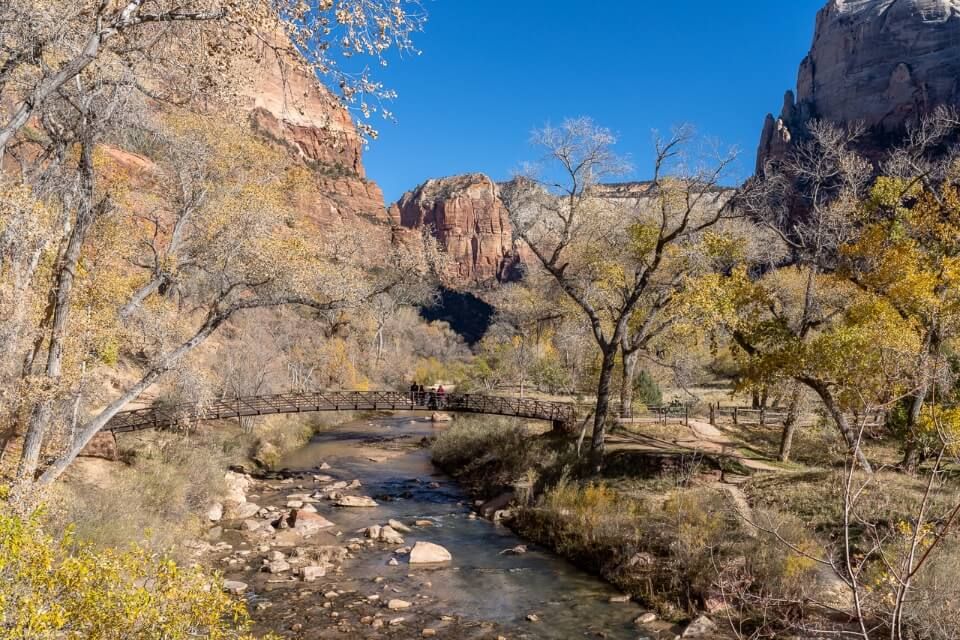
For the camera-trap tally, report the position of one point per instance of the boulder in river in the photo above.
(390, 535)
(399, 526)
(702, 627)
(645, 618)
(311, 573)
(429, 553)
(307, 522)
(356, 501)
(278, 566)
(441, 417)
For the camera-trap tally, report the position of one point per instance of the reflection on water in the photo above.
(482, 582)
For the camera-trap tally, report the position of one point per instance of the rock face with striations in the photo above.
(884, 63)
(471, 224)
(288, 105)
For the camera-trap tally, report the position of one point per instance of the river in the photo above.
(482, 593)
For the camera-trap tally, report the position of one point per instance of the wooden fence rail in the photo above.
(777, 416)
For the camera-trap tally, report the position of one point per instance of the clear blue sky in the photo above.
(492, 70)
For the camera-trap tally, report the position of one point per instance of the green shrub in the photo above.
(646, 390)
(55, 588)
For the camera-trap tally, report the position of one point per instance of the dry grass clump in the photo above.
(676, 551)
(934, 612)
(490, 455)
(816, 497)
(159, 498)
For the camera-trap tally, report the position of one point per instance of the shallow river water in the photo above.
(488, 593)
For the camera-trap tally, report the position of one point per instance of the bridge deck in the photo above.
(560, 413)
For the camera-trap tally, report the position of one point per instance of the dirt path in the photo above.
(699, 437)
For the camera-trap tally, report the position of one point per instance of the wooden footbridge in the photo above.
(561, 414)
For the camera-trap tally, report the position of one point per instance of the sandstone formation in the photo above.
(287, 104)
(880, 62)
(468, 219)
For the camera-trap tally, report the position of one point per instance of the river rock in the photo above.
(441, 417)
(373, 532)
(307, 522)
(237, 485)
(234, 586)
(502, 501)
(399, 526)
(278, 566)
(395, 605)
(429, 553)
(312, 572)
(250, 524)
(518, 550)
(647, 618)
(702, 627)
(390, 535)
(242, 511)
(215, 512)
(356, 501)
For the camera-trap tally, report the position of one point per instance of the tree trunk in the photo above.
(912, 455)
(851, 437)
(33, 443)
(790, 424)
(63, 301)
(598, 441)
(93, 427)
(626, 388)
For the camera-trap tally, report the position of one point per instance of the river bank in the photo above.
(666, 528)
(311, 567)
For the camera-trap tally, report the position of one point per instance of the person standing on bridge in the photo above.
(441, 396)
(414, 390)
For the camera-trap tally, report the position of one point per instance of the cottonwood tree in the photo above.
(75, 74)
(907, 251)
(855, 244)
(604, 257)
(238, 250)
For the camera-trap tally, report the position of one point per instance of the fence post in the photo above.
(763, 416)
(735, 417)
(686, 415)
(713, 415)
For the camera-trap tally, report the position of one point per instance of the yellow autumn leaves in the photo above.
(58, 588)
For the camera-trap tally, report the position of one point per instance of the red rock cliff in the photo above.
(288, 104)
(471, 224)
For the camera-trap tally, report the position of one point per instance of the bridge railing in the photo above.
(160, 417)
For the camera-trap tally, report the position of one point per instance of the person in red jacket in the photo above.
(441, 396)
